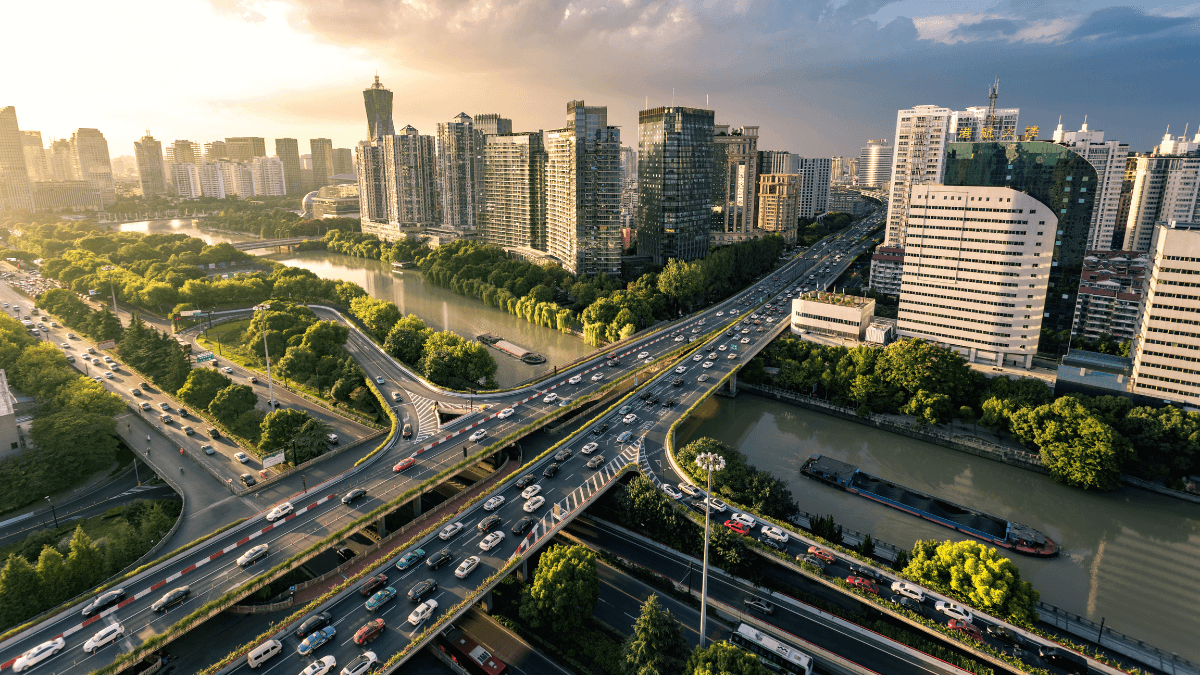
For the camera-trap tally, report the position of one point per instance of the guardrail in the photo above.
(1082, 627)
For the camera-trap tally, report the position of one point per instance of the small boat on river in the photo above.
(512, 350)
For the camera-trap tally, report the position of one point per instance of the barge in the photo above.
(996, 531)
(512, 350)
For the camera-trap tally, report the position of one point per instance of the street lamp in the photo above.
(53, 511)
(109, 268)
(709, 462)
(270, 385)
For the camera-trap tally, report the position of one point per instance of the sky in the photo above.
(819, 77)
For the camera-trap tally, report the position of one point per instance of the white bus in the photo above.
(777, 656)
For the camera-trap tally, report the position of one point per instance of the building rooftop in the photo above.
(836, 299)
(6, 399)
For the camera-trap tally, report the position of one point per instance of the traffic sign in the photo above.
(192, 312)
(206, 356)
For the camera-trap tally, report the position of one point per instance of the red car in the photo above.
(740, 528)
(405, 463)
(966, 629)
(370, 630)
(373, 584)
(863, 584)
(821, 553)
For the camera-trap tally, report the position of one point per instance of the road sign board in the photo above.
(207, 356)
(192, 312)
(271, 460)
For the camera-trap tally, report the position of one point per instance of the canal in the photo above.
(1130, 557)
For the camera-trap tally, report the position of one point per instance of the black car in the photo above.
(729, 333)
(104, 601)
(697, 505)
(710, 348)
(669, 403)
(345, 553)
(313, 623)
(352, 495)
(489, 522)
(654, 399)
(248, 480)
(1064, 658)
(869, 574)
(614, 363)
(438, 559)
(172, 597)
(759, 605)
(525, 480)
(562, 455)
(596, 431)
(1004, 634)
(908, 603)
(550, 471)
(767, 541)
(522, 525)
(645, 396)
(422, 589)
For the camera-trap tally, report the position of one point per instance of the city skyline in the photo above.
(846, 92)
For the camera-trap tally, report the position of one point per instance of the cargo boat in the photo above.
(509, 348)
(1006, 534)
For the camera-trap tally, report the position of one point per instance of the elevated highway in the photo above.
(270, 243)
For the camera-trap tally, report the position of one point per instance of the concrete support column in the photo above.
(1028, 361)
(1000, 358)
(416, 506)
(522, 571)
(486, 603)
(971, 357)
(382, 526)
(733, 384)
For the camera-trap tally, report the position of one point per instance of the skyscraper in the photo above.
(215, 151)
(185, 152)
(378, 102)
(409, 179)
(491, 123)
(1166, 187)
(59, 157)
(1164, 360)
(813, 185)
(778, 202)
(267, 176)
(874, 165)
(185, 181)
(1109, 159)
(675, 169)
(245, 148)
(735, 179)
(151, 172)
(89, 151)
(343, 161)
(15, 191)
(213, 179)
(288, 152)
(322, 160)
(583, 192)
(919, 159)
(513, 212)
(372, 190)
(457, 165)
(35, 156)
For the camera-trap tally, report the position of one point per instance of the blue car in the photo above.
(410, 558)
(318, 638)
(379, 599)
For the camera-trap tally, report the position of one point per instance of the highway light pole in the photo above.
(270, 385)
(709, 462)
(109, 268)
(53, 511)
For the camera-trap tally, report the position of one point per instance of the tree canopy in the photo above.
(657, 645)
(565, 588)
(977, 574)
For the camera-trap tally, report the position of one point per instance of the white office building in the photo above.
(814, 185)
(267, 177)
(457, 173)
(1165, 361)
(185, 181)
(212, 179)
(1165, 188)
(1108, 158)
(873, 167)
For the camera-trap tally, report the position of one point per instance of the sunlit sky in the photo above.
(819, 77)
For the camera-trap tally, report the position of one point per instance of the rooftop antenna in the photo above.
(672, 97)
(993, 93)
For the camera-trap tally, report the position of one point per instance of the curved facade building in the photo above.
(875, 164)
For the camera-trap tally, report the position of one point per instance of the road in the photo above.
(121, 491)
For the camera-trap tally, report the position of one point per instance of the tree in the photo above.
(657, 645)
(310, 440)
(976, 573)
(966, 414)
(929, 408)
(448, 358)
(232, 401)
(723, 658)
(378, 315)
(280, 427)
(406, 340)
(202, 386)
(20, 592)
(52, 577)
(915, 365)
(85, 564)
(681, 281)
(1077, 447)
(565, 588)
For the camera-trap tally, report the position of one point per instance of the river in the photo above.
(1130, 556)
(439, 308)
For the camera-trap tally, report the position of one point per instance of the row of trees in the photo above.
(79, 316)
(740, 481)
(811, 231)
(442, 357)
(271, 222)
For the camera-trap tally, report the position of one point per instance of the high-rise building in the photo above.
(1125, 202)
(322, 161)
(457, 172)
(288, 152)
(778, 204)
(89, 151)
(125, 166)
(15, 191)
(675, 170)
(513, 213)
(491, 123)
(735, 179)
(1164, 357)
(852, 169)
(343, 162)
(185, 181)
(1109, 159)
(245, 148)
(267, 177)
(185, 152)
(1166, 187)
(976, 270)
(628, 164)
(62, 164)
(874, 164)
(35, 156)
(213, 180)
(239, 179)
(982, 123)
(151, 171)
(919, 159)
(1110, 294)
(372, 188)
(410, 179)
(378, 102)
(837, 169)
(215, 151)
(814, 185)
(583, 192)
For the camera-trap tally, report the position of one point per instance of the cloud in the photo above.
(1125, 22)
(989, 28)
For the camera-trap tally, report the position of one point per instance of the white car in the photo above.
(450, 530)
(363, 663)
(241, 457)
(550, 398)
(532, 505)
(775, 533)
(422, 612)
(680, 338)
(954, 610)
(279, 511)
(681, 370)
(644, 355)
(717, 505)
(908, 590)
(689, 489)
(575, 380)
(505, 414)
(38, 654)
(629, 419)
(589, 448)
(697, 357)
(379, 380)
(706, 364)
(395, 396)
(104, 636)
(531, 492)
(722, 348)
(478, 435)
(466, 567)
(703, 377)
(324, 666)
(745, 341)
(108, 375)
(597, 377)
(720, 313)
(493, 503)
(744, 518)
(671, 492)
(227, 369)
(491, 541)
(253, 554)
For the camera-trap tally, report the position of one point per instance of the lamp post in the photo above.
(709, 462)
(109, 268)
(270, 385)
(53, 511)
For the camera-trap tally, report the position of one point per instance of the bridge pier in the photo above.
(416, 505)
(729, 389)
(485, 603)
(382, 527)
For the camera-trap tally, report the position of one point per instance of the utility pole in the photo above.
(709, 461)
(267, 355)
(53, 511)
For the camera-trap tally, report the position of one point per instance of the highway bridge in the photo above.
(270, 243)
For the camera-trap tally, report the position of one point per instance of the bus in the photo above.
(777, 656)
(478, 659)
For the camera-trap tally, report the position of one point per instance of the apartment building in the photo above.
(268, 177)
(735, 177)
(1165, 188)
(514, 195)
(675, 170)
(1166, 359)
(151, 171)
(185, 181)
(1110, 294)
(1109, 159)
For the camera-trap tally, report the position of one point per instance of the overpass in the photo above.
(270, 243)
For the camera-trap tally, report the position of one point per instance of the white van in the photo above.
(263, 652)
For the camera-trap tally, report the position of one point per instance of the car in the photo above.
(212, 432)
(466, 567)
(104, 636)
(720, 313)
(731, 356)
(954, 610)
(418, 592)
(677, 382)
(908, 590)
(353, 495)
(596, 431)
(597, 377)
(505, 414)
(681, 370)
(589, 448)
(253, 380)
(532, 505)
(361, 664)
(965, 628)
(575, 380)
(450, 530)
(166, 419)
(550, 470)
(491, 541)
(769, 542)
(737, 527)
(722, 348)
(759, 605)
(644, 355)
(64, 345)
(91, 350)
(241, 457)
(312, 623)
(369, 631)
(812, 560)
(680, 338)
(478, 436)
(864, 584)
(671, 492)
(625, 409)
(493, 503)
(706, 364)
(345, 552)
(531, 491)
(745, 341)
(775, 533)
(718, 506)
(596, 462)
(189, 431)
(697, 357)
(322, 666)
(249, 557)
(409, 559)
(280, 511)
(744, 518)
(406, 463)
(396, 396)
(562, 455)
(528, 478)
(422, 612)
(331, 439)
(381, 597)
(247, 480)
(689, 489)
(407, 431)
(373, 584)
(38, 654)
(379, 379)
(869, 573)
(522, 525)
(104, 601)
(630, 418)
(438, 559)
(488, 523)
(550, 398)
(729, 333)
(315, 640)
(170, 598)
(1005, 634)
(564, 402)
